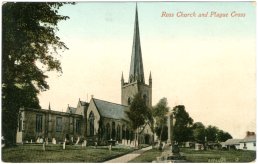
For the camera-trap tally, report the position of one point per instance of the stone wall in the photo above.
(49, 122)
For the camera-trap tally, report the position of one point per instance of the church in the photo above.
(95, 121)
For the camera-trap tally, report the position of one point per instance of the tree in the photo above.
(160, 111)
(30, 49)
(198, 132)
(223, 136)
(138, 113)
(182, 128)
(211, 133)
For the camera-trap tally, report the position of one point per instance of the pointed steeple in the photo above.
(49, 108)
(122, 79)
(150, 80)
(136, 68)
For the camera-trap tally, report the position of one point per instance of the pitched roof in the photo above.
(71, 110)
(136, 68)
(84, 103)
(233, 141)
(250, 138)
(110, 110)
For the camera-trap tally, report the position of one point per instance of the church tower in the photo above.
(136, 82)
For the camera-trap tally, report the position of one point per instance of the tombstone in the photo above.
(96, 144)
(84, 144)
(136, 142)
(31, 141)
(77, 141)
(72, 139)
(123, 142)
(37, 141)
(41, 140)
(110, 147)
(175, 149)
(44, 146)
(53, 141)
(133, 144)
(46, 141)
(64, 144)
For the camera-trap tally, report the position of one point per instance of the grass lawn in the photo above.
(147, 156)
(55, 153)
(192, 155)
(215, 156)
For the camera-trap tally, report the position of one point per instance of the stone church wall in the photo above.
(48, 128)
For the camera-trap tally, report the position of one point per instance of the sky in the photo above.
(207, 64)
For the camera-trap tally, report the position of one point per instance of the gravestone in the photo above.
(64, 144)
(84, 143)
(44, 146)
(77, 141)
(53, 141)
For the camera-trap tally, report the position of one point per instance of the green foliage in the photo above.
(198, 132)
(211, 133)
(30, 49)
(164, 135)
(223, 136)
(160, 111)
(182, 128)
(138, 112)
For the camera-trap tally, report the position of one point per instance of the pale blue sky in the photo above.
(206, 64)
(100, 19)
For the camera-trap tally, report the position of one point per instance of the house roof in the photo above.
(111, 110)
(251, 138)
(233, 141)
(71, 110)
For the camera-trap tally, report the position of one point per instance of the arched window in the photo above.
(118, 133)
(129, 101)
(145, 98)
(91, 120)
(123, 132)
(127, 134)
(108, 131)
(113, 130)
(20, 122)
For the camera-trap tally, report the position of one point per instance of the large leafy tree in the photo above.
(160, 111)
(198, 132)
(223, 136)
(139, 114)
(30, 49)
(211, 133)
(182, 128)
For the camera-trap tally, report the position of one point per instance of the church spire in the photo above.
(136, 68)
(49, 107)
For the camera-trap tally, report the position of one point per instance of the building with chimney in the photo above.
(98, 120)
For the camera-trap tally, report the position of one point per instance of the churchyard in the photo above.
(77, 153)
(202, 156)
(56, 153)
